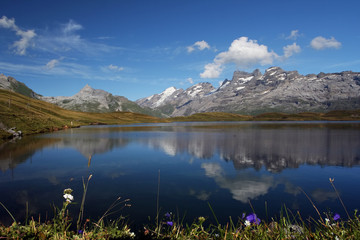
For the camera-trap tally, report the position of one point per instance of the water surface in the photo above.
(234, 167)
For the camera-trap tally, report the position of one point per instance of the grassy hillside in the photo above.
(34, 116)
(346, 115)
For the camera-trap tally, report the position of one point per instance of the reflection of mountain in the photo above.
(260, 145)
(12, 154)
(257, 145)
(91, 146)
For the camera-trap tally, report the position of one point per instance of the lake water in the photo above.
(234, 167)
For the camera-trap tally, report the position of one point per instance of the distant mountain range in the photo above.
(276, 90)
(253, 93)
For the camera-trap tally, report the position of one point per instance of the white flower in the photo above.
(247, 223)
(68, 197)
(132, 234)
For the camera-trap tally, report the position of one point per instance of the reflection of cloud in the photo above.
(291, 189)
(320, 195)
(212, 170)
(201, 195)
(52, 179)
(169, 148)
(242, 187)
(248, 189)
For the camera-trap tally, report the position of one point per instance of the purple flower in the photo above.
(252, 218)
(168, 215)
(336, 217)
(243, 216)
(80, 231)
(170, 223)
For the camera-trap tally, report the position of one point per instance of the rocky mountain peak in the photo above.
(87, 89)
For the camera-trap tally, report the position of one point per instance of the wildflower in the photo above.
(170, 223)
(247, 223)
(336, 217)
(327, 220)
(243, 216)
(132, 235)
(252, 218)
(168, 215)
(201, 219)
(68, 198)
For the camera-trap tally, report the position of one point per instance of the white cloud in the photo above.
(26, 36)
(243, 52)
(115, 68)
(190, 80)
(71, 26)
(7, 23)
(67, 39)
(201, 45)
(293, 35)
(51, 64)
(212, 70)
(289, 50)
(320, 43)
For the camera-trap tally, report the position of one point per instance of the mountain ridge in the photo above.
(276, 90)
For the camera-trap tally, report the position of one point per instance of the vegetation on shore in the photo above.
(167, 226)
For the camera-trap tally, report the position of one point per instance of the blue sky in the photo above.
(136, 48)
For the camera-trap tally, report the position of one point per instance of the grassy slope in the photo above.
(347, 115)
(34, 116)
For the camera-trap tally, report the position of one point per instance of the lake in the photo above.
(235, 167)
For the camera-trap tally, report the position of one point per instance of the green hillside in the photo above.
(34, 116)
(346, 115)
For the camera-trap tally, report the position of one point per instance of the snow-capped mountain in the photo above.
(276, 90)
(171, 98)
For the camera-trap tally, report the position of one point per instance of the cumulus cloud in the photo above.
(289, 50)
(243, 52)
(200, 45)
(293, 35)
(320, 43)
(115, 68)
(190, 80)
(212, 70)
(26, 37)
